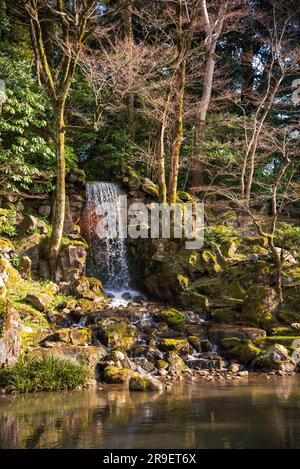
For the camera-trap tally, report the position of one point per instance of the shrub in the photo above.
(218, 234)
(43, 374)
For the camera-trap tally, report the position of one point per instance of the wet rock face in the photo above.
(89, 289)
(10, 334)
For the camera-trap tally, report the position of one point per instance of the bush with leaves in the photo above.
(25, 144)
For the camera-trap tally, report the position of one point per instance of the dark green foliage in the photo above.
(43, 374)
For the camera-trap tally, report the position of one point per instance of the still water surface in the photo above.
(231, 415)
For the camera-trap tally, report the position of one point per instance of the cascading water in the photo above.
(108, 256)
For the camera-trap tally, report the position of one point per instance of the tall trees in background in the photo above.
(72, 24)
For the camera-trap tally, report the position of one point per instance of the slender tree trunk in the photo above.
(177, 143)
(161, 164)
(60, 194)
(278, 264)
(197, 177)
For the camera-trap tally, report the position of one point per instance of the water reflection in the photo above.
(216, 416)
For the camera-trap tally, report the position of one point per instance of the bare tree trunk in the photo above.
(60, 193)
(197, 177)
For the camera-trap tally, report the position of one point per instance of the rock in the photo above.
(275, 358)
(76, 176)
(175, 362)
(218, 332)
(260, 305)
(44, 270)
(42, 227)
(6, 246)
(89, 288)
(172, 317)
(30, 246)
(25, 267)
(77, 336)
(212, 363)
(39, 301)
(72, 261)
(115, 334)
(28, 224)
(234, 367)
(121, 360)
(179, 346)
(206, 346)
(9, 276)
(114, 375)
(146, 365)
(151, 189)
(144, 383)
(242, 350)
(195, 342)
(45, 210)
(10, 334)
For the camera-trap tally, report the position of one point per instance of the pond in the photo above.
(229, 415)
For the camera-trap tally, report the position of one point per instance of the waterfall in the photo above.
(108, 257)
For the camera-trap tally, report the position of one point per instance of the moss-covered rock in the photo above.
(275, 358)
(175, 362)
(144, 383)
(244, 351)
(179, 346)
(172, 317)
(151, 189)
(115, 334)
(6, 246)
(114, 375)
(260, 305)
(90, 289)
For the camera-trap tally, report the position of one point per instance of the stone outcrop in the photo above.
(10, 334)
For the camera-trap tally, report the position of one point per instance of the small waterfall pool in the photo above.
(108, 255)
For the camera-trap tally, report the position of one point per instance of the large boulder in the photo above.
(178, 345)
(244, 351)
(28, 224)
(10, 334)
(115, 375)
(275, 358)
(259, 305)
(40, 301)
(218, 332)
(72, 261)
(116, 334)
(140, 382)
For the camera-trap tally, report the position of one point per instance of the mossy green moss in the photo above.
(172, 317)
(245, 351)
(178, 345)
(114, 375)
